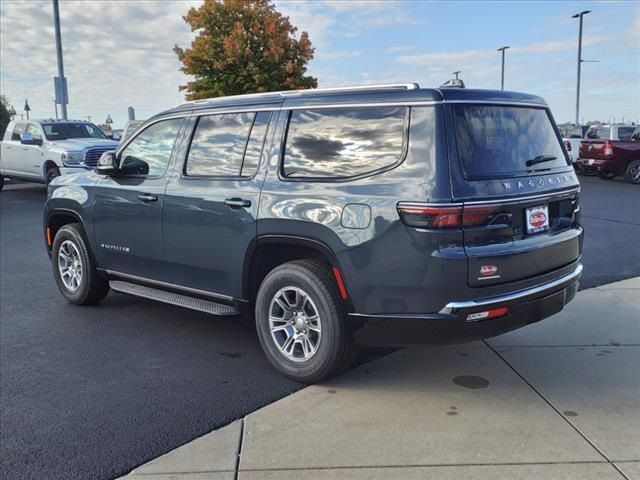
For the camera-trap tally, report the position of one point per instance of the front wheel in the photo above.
(301, 322)
(74, 269)
(52, 172)
(633, 172)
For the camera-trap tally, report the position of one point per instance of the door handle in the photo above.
(146, 197)
(237, 202)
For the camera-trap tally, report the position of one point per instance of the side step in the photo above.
(206, 306)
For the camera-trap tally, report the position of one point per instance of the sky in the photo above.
(119, 53)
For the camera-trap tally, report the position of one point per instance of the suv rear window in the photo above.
(339, 143)
(599, 133)
(497, 141)
(624, 133)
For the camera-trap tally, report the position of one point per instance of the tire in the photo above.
(1, 182)
(329, 346)
(70, 248)
(52, 172)
(632, 174)
(606, 175)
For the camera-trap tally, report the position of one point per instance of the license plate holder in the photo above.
(537, 219)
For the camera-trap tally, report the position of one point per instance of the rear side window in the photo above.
(624, 133)
(339, 143)
(227, 145)
(18, 130)
(497, 141)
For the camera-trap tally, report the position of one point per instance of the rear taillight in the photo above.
(567, 144)
(442, 217)
(430, 216)
(608, 148)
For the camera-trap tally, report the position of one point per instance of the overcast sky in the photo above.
(119, 53)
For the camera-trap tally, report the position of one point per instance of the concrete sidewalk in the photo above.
(557, 400)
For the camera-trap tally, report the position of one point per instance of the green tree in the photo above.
(243, 46)
(5, 116)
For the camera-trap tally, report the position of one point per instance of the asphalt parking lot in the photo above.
(93, 392)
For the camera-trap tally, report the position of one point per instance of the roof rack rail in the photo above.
(312, 91)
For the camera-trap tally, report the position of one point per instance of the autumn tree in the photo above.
(243, 46)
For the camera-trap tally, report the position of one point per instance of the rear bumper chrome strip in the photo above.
(451, 307)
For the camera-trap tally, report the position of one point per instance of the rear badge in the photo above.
(488, 272)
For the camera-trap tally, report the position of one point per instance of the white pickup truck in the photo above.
(40, 150)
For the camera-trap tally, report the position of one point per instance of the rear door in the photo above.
(12, 150)
(518, 190)
(211, 205)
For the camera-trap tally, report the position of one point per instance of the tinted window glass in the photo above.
(35, 131)
(599, 133)
(149, 152)
(340, 142)
(255, 144)
(63, 131)
(218, 145)
(18, 129)
(575, 133)
(624, 133)
(498, 141)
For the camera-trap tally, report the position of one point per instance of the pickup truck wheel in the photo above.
(301, 322)
(74, 268)
(633, 172)
(52, 172)
(606, 175)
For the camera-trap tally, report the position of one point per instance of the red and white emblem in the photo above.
(487, 270)
(538, 219)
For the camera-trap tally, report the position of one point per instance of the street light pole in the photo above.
(56, 20)
(502, 49)
(457, 73)
(579, 15)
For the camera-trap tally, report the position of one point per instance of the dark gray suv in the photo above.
(388, 214)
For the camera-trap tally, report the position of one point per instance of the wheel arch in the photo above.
(56, 219)
(47, 165)
(268, 251)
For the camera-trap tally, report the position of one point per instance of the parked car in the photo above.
(387, 214)
(599, 134)
(130, 127)
(612, 158)
(571, 137)
(40, 150)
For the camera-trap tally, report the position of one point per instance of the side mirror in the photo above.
(107, 163)
(26, 138)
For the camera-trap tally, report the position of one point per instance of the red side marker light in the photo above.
(340, 282)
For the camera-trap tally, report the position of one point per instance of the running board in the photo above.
(206, 306)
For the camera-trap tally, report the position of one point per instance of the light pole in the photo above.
(27, 108)
(62, 89)
(502, 49)
(579, 15)
(457, 73)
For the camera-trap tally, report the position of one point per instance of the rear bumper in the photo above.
(450, 324)
(601, 164)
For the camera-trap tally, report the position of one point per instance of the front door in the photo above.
(211, 206)
(33, 157)
(128, 205)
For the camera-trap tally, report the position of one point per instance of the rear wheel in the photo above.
(74, 268)
(301, 322)
(633, 172)
(52, 172)
(606, 175)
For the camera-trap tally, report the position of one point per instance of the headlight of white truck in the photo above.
(72, 159)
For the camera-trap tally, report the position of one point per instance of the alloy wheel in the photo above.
(70, 265)
(295, 324)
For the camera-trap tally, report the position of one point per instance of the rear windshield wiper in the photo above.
(540, 159)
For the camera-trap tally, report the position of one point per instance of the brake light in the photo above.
(430, 216)
(446, 217)
(608, 148)
(567, 144)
